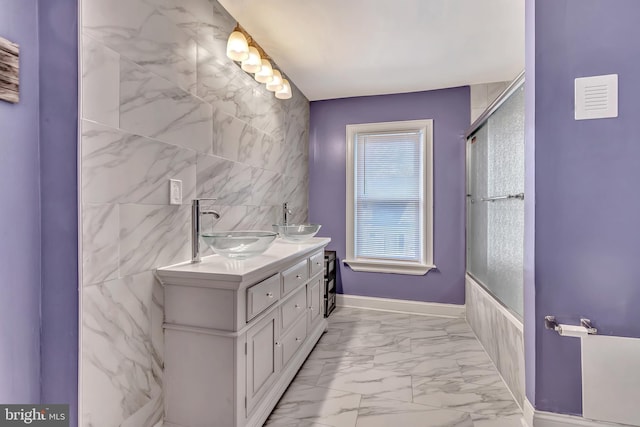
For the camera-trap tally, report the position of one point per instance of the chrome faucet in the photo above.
(196, 213)
(285, 213)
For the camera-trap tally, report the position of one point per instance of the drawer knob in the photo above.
(298, 339)
(277, 344)
(298, 276)
(270, 294)
(297, 305)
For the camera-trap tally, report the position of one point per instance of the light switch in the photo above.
(175, 192)
(596, 97)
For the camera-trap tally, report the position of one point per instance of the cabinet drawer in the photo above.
(293, 308)
(294, 277)
(292, 341)
(317, 263)
(262, 295)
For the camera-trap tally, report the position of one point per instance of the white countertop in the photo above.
(219, 268)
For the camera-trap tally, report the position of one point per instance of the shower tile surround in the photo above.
(500, 334)
(161, 101)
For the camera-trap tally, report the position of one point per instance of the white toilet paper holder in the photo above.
(551, 323)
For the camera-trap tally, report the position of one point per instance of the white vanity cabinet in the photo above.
(236, 333)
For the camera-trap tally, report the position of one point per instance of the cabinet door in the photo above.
(263, 364)
(293, 340)
(315, 295)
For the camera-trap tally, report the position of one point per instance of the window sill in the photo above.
(389, 267)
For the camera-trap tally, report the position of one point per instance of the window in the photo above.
(389, 197)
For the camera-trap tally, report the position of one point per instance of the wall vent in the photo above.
(596, 97)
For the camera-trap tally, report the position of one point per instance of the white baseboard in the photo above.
(400, 306)
(534, 418)
(528, 412)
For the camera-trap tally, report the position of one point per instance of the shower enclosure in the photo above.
(495, 198)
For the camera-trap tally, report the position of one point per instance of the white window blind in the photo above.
(388, 206)
(389, 211)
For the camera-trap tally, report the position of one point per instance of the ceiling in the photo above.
(343, 48)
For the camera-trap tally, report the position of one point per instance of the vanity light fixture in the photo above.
(285, 92)
(253, 63)
(265, 75)
(241, 47)
(275, 84)
(237, 46)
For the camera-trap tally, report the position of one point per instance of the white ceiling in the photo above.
(342, 48)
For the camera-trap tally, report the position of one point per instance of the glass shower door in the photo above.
(495, 206)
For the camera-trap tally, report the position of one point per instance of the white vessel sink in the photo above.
(297, 232)
(239, 244)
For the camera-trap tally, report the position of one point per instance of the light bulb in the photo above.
(275, 84)
(285, 92)
(237, 46)
(265, 75)
(253, 63)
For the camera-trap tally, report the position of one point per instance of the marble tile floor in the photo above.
(379, 369)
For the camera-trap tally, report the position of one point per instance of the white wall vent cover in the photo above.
(596, 97)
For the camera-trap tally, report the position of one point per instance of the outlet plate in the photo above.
(175, 192)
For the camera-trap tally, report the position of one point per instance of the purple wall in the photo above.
(58, 27)
(587, 204)
(20, 216)
(449, 108)
(38, 253)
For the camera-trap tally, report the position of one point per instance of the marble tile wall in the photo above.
(500, 334)
(160, 101)
(482, 95)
